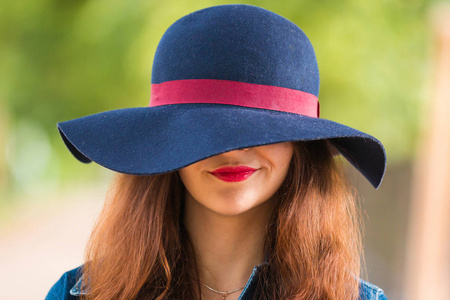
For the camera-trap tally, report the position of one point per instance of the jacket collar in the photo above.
(80, 288)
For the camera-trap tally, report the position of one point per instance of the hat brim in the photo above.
(155, 140)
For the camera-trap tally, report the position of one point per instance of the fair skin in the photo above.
(227, 220)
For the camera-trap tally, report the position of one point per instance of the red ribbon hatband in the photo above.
(234, 93)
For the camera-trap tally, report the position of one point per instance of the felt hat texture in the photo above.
(224, 78)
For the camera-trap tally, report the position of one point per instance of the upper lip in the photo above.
(233, 169)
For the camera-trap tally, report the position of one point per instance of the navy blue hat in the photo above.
(224, 78)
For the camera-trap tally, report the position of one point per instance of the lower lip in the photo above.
(234, 176)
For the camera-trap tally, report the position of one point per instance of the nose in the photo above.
(238, 150)
(235, 152)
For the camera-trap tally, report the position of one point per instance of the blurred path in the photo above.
(46, 238)
(428, 256)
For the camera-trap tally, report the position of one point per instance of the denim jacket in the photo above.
(70, 287)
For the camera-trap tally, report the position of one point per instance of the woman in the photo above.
(228, 185)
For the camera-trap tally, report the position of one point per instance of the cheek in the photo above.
(279, 160)
(285, 162)
(197, 183)
(190, 178)
(279, 157)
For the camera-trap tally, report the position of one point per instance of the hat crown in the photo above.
(240, 43)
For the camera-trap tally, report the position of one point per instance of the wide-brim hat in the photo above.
(224, 78)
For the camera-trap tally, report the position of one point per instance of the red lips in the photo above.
(234, 174)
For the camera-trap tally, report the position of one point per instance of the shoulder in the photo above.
(63, 289)
(368, 291)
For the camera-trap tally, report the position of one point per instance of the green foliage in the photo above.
(65, 59)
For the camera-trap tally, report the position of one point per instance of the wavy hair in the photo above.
(140, 248)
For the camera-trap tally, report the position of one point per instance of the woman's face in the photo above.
(234, 182)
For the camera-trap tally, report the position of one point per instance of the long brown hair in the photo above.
(140, 249)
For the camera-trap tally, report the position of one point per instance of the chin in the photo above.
(234, 209)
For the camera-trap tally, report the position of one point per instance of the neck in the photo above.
(226, 247)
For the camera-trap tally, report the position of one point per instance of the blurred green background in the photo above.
(61, 60)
